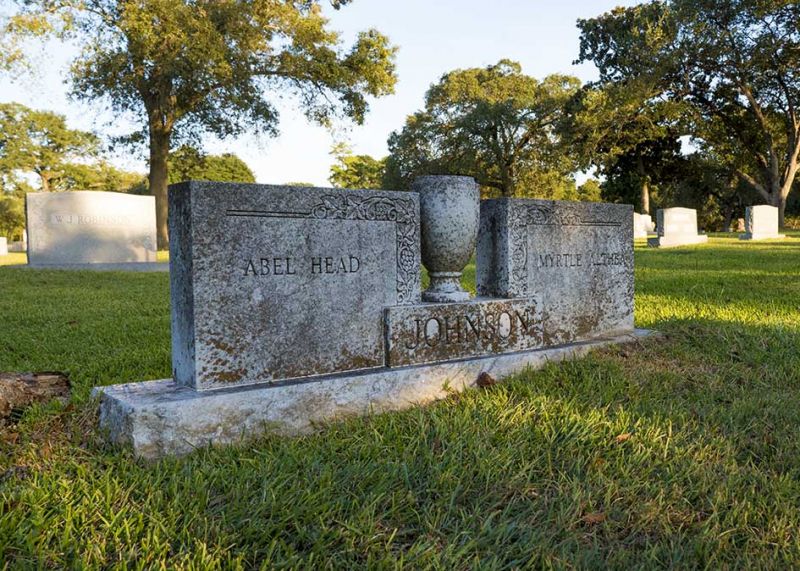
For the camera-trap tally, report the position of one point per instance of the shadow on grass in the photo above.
(676, 452)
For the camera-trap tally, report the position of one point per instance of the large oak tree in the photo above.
(187, 67)
(356, 171)
(40, 143)
(735, 64)
(496, 124)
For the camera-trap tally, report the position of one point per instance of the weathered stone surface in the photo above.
(576, 256)
(676, 227)
(761, 223)
(87, 227)
(449, 215)
(432, 332)
(160, 418)
(270, 283)
(3, 246)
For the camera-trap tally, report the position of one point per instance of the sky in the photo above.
(433, 36)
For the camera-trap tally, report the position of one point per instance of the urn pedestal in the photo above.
(449, 216)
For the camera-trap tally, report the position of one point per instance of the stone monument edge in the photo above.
(181, 290)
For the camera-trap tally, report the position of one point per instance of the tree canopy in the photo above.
(189, 67)
(100, 175)
(40, 143)
(12, 216)
(496, 124)
(356, 171)
(733, 64)
(188, 163)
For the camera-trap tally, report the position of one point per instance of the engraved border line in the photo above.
(267, 214)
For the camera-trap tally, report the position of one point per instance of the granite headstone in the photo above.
(3, 246)
(576, 256)
(271, 283)
(642, 225)
(89, 227)
(761, 223)
(676, 227)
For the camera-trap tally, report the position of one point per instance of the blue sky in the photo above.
(434, 36)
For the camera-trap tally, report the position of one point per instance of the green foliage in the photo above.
(187, 67)
(356, 171)
(731, 65)
(101, 176)
(12, 216)
(187, 163)
(40, 143)
(698, 180)
(651, 163)
(590, 191)
(530, 473)
(495, 124)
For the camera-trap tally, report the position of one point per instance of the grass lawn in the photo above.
(681, 452)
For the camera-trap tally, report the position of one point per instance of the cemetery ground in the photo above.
(683, 451)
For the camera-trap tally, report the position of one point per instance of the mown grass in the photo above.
(681, 452)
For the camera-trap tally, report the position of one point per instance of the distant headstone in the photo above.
(740, 226)
(271, 283)
(19, 245)
(642, 225)
(88, 227)
(761, 223)
(676, 227)
(3, 246)
(577, 256)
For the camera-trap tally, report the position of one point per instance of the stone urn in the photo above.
(449, 212)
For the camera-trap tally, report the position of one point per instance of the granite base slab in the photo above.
(160, 418)
(100, 267)
(749, 236)
(675, 241)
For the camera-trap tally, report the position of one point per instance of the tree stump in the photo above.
(20, 390)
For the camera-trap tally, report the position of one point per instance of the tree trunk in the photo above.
(20, 390)
(727, 219)
(645, 190)
(645, 196)
(45, 180)
(781, 211)
(159, 178)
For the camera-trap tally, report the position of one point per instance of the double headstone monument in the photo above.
(90, 227)
(676, 227)
(292, 306)
(761, 223)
